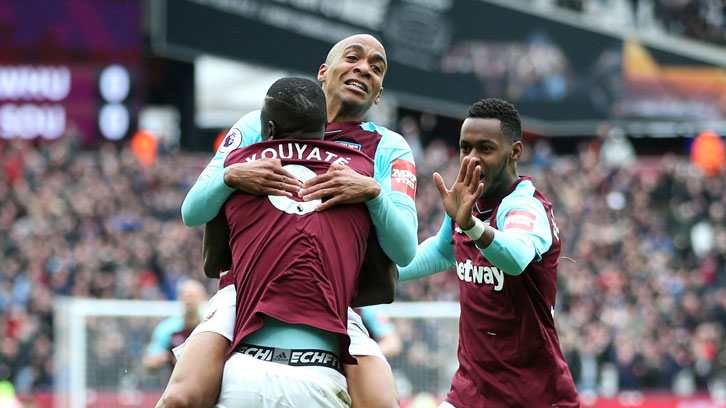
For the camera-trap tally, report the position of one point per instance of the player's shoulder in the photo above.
(524, 194)
(244, 132)
(389, 138)
(524, 189)
(171, 325)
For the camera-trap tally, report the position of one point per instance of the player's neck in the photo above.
(508, 182)
(338, 113)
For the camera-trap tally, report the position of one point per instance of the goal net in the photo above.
(100, 344)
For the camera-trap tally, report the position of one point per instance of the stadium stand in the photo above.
(642, 283)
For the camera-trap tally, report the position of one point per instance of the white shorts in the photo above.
(249, 382)
(361, 343)
(221, 317)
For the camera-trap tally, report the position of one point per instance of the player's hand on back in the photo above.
(342, 184)
(459, 201)
(262, 177)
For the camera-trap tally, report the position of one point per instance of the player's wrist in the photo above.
(373, 191)
(475, 231)
(228, 176)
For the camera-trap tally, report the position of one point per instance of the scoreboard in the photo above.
(70, 67)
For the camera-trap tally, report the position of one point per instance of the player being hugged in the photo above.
(352, 77)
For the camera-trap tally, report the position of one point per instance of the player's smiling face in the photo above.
(353, 78)
(483, 140)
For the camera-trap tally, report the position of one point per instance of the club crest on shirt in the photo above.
(232, 141)
(209, 316)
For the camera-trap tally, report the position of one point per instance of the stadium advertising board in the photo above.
(444, 54)
(74, 70)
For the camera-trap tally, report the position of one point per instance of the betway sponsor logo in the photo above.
(300, 151)
(483, 275)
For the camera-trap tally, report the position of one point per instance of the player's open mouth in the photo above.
(357, 85)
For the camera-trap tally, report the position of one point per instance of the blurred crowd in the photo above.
(642, 280)
(697, 19)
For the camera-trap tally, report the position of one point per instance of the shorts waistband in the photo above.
(292, 357)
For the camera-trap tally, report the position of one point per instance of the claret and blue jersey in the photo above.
(507, 293)
(393, 212)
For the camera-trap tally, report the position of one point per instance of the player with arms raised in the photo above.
(500, 234)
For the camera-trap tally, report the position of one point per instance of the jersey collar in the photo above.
(486, 206)
(337, 127)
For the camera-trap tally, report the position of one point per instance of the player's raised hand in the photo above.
(262, 177)
(459, 201)
(343, 184)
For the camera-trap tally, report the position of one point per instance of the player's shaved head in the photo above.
(294, 108)
(345, 42)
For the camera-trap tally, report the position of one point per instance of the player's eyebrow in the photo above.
(377, 56)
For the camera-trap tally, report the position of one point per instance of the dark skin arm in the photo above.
(378, 277)
(215, 248)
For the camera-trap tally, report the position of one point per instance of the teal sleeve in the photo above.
(434, 255)
(393, 212)
(377, 321)
(524, 234)
(395, 220)
(209, 192)
(161, 337)
(510, 252)
(206, 197)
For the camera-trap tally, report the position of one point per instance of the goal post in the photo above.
(98, 350)
(99, 345)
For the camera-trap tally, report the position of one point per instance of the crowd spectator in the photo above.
(703, 20)
(635, 298)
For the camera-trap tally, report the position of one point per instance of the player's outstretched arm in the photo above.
(435, 254)
(216, 183)
(378, 277)
(216, 253)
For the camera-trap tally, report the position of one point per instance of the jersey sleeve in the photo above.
(161, 337)
(435, 254)
(523, 235)
(393, 212)
(376, 319)
(209, 192)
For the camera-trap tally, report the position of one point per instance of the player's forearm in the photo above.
(432, 256)
(509, 252)
(205, 198)
(396, 225)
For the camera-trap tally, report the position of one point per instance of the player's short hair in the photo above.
(495, 108)
(296, 104)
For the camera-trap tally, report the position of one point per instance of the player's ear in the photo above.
(272, 131)
(321, 72)
(378, 98)
(516, 150)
